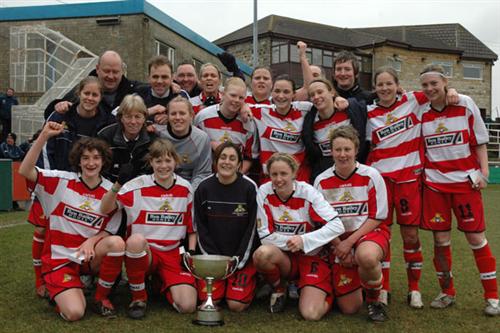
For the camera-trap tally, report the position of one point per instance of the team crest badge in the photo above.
(344, 280)
(289, 127)
(259, 223)
(346, 197)
(285, 217)
(86, 205)
(240, 210)
(166, 206)
(67, 278)
(441, 128)
(390, 119)
(225, 138)
(437, 218)
(185, 158)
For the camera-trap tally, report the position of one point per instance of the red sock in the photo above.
(109, 270)
(36, 253)
(486, 264)
(273, 276)
(137, 265)
(386, 269)
(372, 289)
(413, 258)
(442, 264)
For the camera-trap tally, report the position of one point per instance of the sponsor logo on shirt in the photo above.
(87, 218)
(290, 228)
(283, 136)
(394, 127)
(444, 140)
(164, 218)
(326, 148)
(351, 209)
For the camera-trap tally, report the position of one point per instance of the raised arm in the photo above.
(301, 94)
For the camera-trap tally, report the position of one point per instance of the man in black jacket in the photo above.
(345, 78)
(115, 85)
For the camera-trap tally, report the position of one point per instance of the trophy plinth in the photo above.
(210, 268)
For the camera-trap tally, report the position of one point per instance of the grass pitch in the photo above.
(22, 311)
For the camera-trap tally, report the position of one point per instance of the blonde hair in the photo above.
(182, 100)
(209, 64)
(132, 103)
(284, 157)
(234, 81)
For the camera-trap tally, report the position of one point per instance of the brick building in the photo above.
(466, 60)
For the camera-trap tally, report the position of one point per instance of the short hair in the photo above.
(285, 77)
(88, 80)
(13, 136)
(345, 56)
(209, 64)
(267, 68)
(386, 69)
(183, 100)
(130, 104)
(284, 157)
(433, 68)
(160, 148)
(90, 144)
(234, 81)
(224, 145)
(347, 132)
(326, 82)
(159, 60)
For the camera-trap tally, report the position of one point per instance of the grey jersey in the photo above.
(194, 151)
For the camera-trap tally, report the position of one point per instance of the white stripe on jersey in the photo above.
(448, 178)
(397, 162)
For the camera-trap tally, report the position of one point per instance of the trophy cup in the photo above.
(210, 267)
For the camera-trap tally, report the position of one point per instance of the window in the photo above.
(327, 58)
(166, 50)
(473, 71)
(447, 66)
(197, 64)
(395, 63)
(279, 52)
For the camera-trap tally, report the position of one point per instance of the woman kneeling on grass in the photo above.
(358, 193)
(78, 238)
(158, 208)
(288, 213)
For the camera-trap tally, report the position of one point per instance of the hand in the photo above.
(343, 249)
(62, 107)
(52, 128)
(157, 109)
(161, 118)
(348, 261)
(246, 113)
(302, 48)
(229, 61)
(340, 103)
(295, 244)
(452, 97)
(175, 88)
(126, 173)
(87, 250)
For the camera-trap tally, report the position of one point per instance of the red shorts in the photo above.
(167, 265)
(406, 199)
(311, 271)
(380, 235)
(64, 278)
(467, 207)
(239, 287)
(36, 215)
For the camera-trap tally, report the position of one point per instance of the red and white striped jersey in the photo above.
(197, 101)
(322, 128)
(74, 214)
(449, 137)
(253, 103)
(302, 214)
(163, 216)
(395, 136)
(280, 133)
(221, 129)
(361, 196)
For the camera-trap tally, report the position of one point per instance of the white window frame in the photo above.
(478, 66)
(445, 65)
(395, 63)
(170, 51)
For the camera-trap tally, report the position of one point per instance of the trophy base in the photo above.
(208, 323)
(209, 317)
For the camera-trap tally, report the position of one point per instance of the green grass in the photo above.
(21, 311)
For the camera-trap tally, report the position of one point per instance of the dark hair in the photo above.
(88, 80)
(267, 68)
(161, 147)
(345, 56)
(347, 132)
(285, 77)
(13, 136)
(158, 61)
(386, 69)
(220, 148)
(90, 144)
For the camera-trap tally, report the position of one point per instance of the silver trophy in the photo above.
(210, 267)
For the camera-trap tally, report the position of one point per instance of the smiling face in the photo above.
(386, 88)
(210, 81)
(320, 96)
(110, 71)
(90, 163)
(344, 154)
(186, 77)
(282, 177)
(160, 79)
(90, 97)
(163, 168)
(283, 95)
(262, 84)
(434, 88)
(228, 164)
(232, 100)
(179, 118)
(344, 75)
(132, 122)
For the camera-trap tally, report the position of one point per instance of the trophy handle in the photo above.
(188, 263)
(232, 266)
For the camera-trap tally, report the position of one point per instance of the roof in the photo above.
(446, 38)
(110, 8)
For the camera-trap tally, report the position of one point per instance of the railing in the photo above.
(494, 143)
